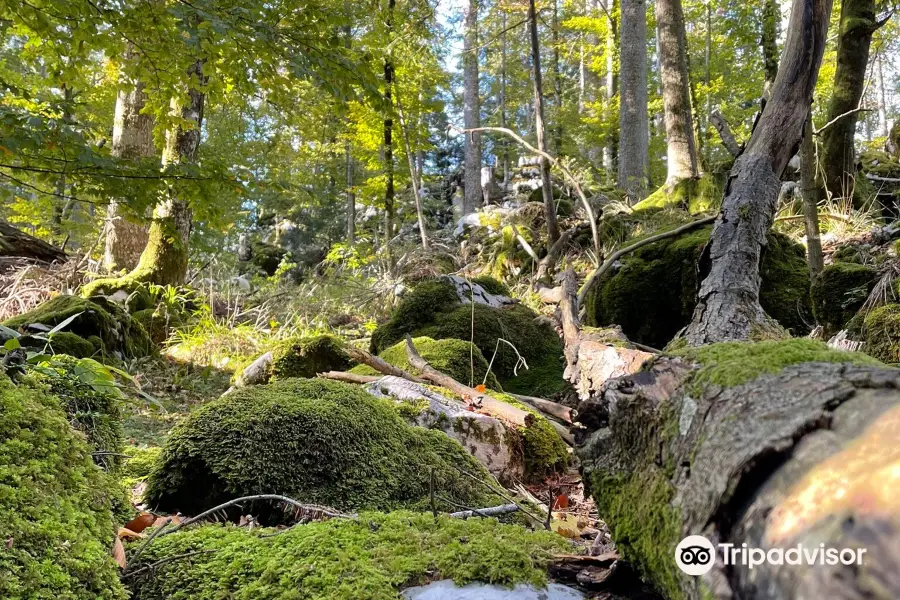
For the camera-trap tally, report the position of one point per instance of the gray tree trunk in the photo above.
(611, 147)
(770, 19)
(681, 148)
(881, 97)
(634, 135)
(132, 139)
(546, 184)
(810, 193)
(471, 110)
(350, 197)
(728, 307)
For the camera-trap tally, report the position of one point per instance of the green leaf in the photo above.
(12, 344)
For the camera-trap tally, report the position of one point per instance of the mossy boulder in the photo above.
(491, 285)
(373, 558)
(881, 331)
(159, 322)
(880, 163)
(450, 356)
(432, 309)
(264, 258)
(56, 505)
(653, 293)
(307, 356)
(839, 291)
(68, 343)
(99, 317)
(313, 440)
(695, 195)
(128, 292)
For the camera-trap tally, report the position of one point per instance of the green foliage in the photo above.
(55, 504)
(313, 440)
(450, 356)
(139, 463)
(373, 558)
(653, 295)
(96, 316)
(433, 310)
(733, 363)
(839, 291)
(308, 356)
(881, 329)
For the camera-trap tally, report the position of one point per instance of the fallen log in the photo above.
(549, 408)
(379, 364)
(495, 407)
(18, 243)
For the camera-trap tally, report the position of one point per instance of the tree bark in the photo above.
(721, 125)
(611, 147)
(556, 142)
(728, 307)
(504, 145)
(471, 110)
(413, 174)
(770, 18)
(18, 243)
(810, 192)
(388, 146)
(857, 25)
(796, 457)
(132, 139)
(349, 195)
(681, 148)
(634, 135)
(881, 97)
(164, 260)
(546, 183)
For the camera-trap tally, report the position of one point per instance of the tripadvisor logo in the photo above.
(696, 555)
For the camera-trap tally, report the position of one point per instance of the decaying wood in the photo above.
(18, 243)
(547, 264)
(796, 457)
(492, 511)
(256, 372)
(348, 377)
(553, 409)
(379, 364)
(609, 262)
(728, 139)
(588, 571)
(493, 406)
(728, 305)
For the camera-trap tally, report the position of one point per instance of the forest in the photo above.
(449, 299)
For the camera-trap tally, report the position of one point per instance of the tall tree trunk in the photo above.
(810, 194)
(838, 150)
(349, 195)
(634, 135)
(388, 142)
(728, 307)
(556, 143)
(132, 139)
(164, 261)
(546, 183)
(881, 97)
(611, 147)
(707, 79)
(681, 148)
(413, 173)
(504, 144)
(471, 111)
(769, 42)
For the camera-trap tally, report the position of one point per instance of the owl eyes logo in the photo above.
(695, 555)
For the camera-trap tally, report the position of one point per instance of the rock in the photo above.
(838, 292)
(473, 291)
(447, 590)
(307, 356)
(881, 333)
(486, 438)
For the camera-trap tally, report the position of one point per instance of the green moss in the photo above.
(492, 286)
(55, 505)
(139, 463)
(373, 558)
(733, 363)
(314, 440)
(839, 291)
(643, 523)
(265, 258)
(544, 451)
(849, 254)
(881, 328)
(879, 163)
(435, 312)
(452, 357)
(694, 195)
(117, 331)
(137, 295)
(653, 295)
(65, 342)
(309, 355)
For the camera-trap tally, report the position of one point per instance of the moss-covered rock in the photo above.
(55, 504)
(839, 291)
(881, 331)
(654, 292)
(124, 290)
(265, 258)
(545, 453)
(159, 322)
(693, 195)
(373, 558)
(118, 333)
(313, 440)
(65, 342)
(452, 357)
(307, 356)
(879, 163)
(491, 285)
(433, 310)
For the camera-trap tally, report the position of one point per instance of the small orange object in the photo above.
(141, 522)
(480, 388)
(562, 501)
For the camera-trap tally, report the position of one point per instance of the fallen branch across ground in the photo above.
(548, 407)
(492, 511)
(380, 365)
(349, 377)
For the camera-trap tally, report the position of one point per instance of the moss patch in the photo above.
(452, 357)
(313, 440)
(693, 195)
(139, 463)
(65, 342)
(839, 291)
(343, 560)
(653, 295)
(116, 330)
(55, 505)
(492, 286)
(307, 356)
(135, 295)
(545, 452)
(881, 328)
(733, 363)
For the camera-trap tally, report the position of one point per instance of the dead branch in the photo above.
(554, 409)
(548, 263)
(168, 559)
(348, 377)
(505, 411)
(721, 125)
(502, 494)
(524, 243)
(380, 365)
(599, 271)
(881, 179)
(492, 511)
(18, 243)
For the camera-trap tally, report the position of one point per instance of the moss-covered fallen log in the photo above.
(771, 445)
